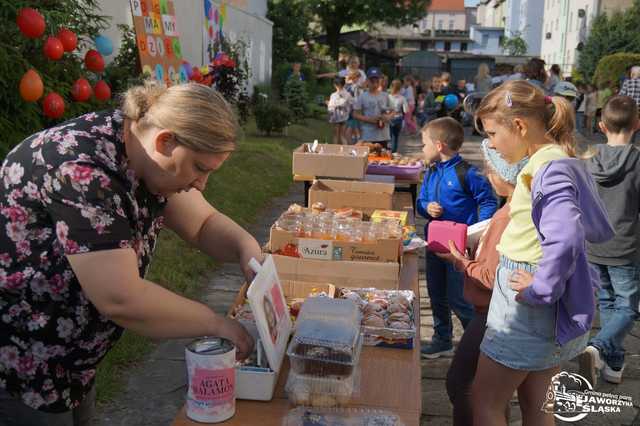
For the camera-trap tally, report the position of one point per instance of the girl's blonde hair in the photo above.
(396, 86)
(483, 71)
(520, 99)
(197, 115)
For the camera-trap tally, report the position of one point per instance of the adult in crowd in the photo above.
(535, 73)
(631, 86)
(482, 80)
(554, 78)
(83, 203)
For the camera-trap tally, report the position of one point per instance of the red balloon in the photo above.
(53, 48)
(94, 61)
(81, 90)
(30, 22)
(102, 91)
(197, 75)
(53, 105)
(31, 87)
(68, 38)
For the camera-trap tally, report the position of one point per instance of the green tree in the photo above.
(295, 94)
(514, 45)
(333, 15)
(18, 54)
(610, 34)
(291, 20)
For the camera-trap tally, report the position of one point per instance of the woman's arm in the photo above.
(190, 216)
(110, 280)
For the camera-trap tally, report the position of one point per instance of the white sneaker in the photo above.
(590, 364)
(611, 375)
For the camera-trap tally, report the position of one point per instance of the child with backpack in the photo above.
(542, 303)
(456, 191)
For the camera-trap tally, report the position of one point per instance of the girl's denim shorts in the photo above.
(522, 336)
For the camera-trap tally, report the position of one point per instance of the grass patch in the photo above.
(259, 171)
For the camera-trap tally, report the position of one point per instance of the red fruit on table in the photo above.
(31, 87)
(53, 48)
(102, 91)
(94, 61)
(68, 38)
(81, 90)
(30, 22)
(53, 105)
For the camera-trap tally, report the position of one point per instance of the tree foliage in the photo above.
(18, 54)
(610, 34)
(514, 45)
(291, 20)
(612, 67)
(333, 15)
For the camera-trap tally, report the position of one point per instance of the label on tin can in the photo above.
(211, 374)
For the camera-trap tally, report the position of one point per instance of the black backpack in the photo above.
(462, 168)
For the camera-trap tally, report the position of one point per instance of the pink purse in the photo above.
(440, 232)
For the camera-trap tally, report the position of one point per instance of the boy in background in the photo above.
(456, 191)
(616, 170)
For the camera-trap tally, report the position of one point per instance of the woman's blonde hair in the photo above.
(396, 86)
(520, 99)
(483, 71)
(197, 115)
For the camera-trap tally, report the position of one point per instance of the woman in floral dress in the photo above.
(81, 206)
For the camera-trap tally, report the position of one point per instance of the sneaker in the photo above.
(612, 375)
(436, 349)
(590, 364)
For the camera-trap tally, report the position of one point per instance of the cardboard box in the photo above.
(365, 196)
(335, 161)
(380, 215)
(385, 250)
(385, 276)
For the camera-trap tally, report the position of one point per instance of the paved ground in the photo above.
(155, 389)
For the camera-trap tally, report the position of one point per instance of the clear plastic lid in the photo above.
(305, 416)
(324, 308)
(327, 391)
(322, 361)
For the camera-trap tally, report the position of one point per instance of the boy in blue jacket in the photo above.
(452, 190)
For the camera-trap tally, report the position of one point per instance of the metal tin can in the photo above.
(211, 373)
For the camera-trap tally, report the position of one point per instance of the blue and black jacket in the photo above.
(467, 202)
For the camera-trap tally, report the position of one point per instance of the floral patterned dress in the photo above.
(63, 191)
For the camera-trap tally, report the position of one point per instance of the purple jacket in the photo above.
(567, 212)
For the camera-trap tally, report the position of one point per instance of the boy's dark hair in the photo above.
(534, 70)
(446, 130)
(620, 114)
(555, 68)
(339, 81)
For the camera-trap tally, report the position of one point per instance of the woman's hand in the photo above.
(519, 280)
(454, 256)
(234, 331)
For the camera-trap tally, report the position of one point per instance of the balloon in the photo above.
(68, 38)
(53, 48)
(450, 101)
(30, 22)
(81, 90)
(196, 75)
(102, 91)
(104, 45)
(31, 87)
(94, 61)
(53, 105)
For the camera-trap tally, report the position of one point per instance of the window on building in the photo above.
(447, 46)
(485, 40)
(451, 24)
(463, 47)
(557, 24)
(571, 22)
(391, 44)
(440, 24)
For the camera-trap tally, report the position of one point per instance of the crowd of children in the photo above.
(369, 108)
(565, 242)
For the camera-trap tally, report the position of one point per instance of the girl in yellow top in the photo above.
(542, 303)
